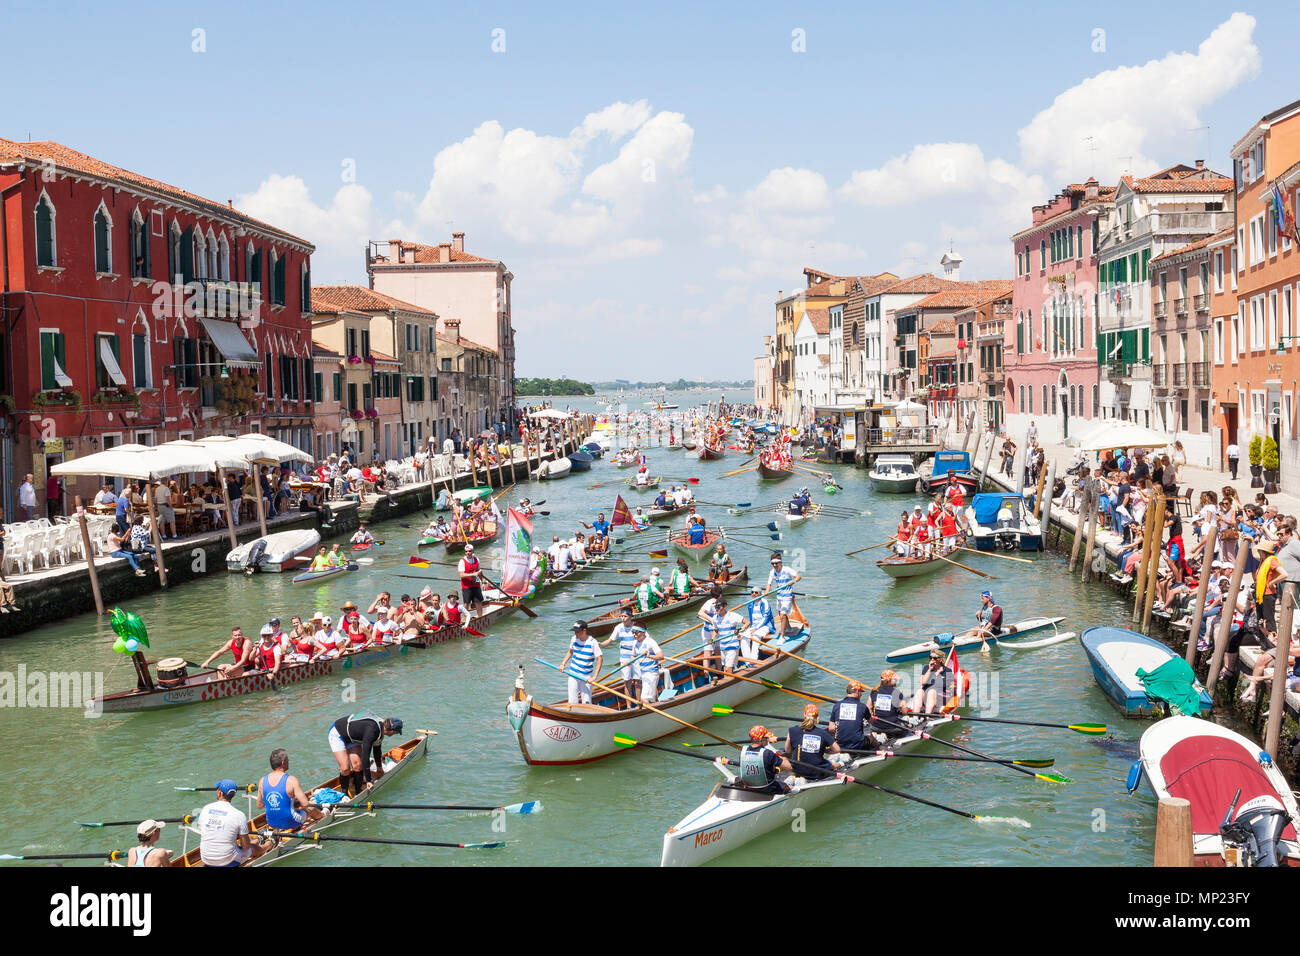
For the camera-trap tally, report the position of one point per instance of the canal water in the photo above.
(58, 766)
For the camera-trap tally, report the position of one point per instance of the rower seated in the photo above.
(809, 747)
(760, 765)
(280, 795)
(938, 684)
(887, 708)
(848, 719)
(988, 619)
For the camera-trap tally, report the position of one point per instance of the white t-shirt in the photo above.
(553, 552)
(385, 627)
(219, 825)
(331, 637)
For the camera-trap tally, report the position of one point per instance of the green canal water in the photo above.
(59, 766)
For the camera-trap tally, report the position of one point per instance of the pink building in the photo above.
(1050, 349)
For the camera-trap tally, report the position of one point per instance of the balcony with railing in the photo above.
(1165, 223)
(1159, 376)
(1180, 306)
(1200, 374)
(1118, 369)
(1180, 375)
(1158, 310)
(990, 330)
(1201, 303)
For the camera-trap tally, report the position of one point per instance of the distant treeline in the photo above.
(681, 385)
(552, 386)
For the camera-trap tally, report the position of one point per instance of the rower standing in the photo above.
(471, 587)
(728, 625)
(356, 740)
(807, 746)
(781, 580)
(625, 634)
(649, 655)
(280, 795)
(849, 718)
(760, 765)
(760, 624)
(585, 657)
(145, 853)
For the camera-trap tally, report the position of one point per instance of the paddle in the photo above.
(1092, 730)
(1049, 777)
(960, 565)
(1004, 557)
(802, 660)
(528, 806)
(872, 547)
(318, 838)
(633, 701)
(111, 856)
(188, 818)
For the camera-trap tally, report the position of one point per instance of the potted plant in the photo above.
(1270, 463)
(1255, 454)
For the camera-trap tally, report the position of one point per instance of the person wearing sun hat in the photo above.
(807, 746)
(145, 853)
(760, 765)
(886, 705)
(848, 718)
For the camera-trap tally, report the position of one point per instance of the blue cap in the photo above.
(397, 724)
(987, 594)
(227, 786)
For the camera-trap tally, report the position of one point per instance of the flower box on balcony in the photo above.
(354, 359)
(61, 396)
(372, 413)
(370, 360)
(116, 396)
(356, 414)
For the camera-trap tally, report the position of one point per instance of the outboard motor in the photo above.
(256, 555)
(1251, 837)
(1078, 465)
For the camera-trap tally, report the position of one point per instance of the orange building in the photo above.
(1255, 389)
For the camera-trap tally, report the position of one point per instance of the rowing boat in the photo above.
(575, 571)
(1116, 654)
(1221, 772)
(900, 567)
(457, 545)
(694, 553)
(774, 474)
(733, 816)
(799, 519)
(603, 623)
(652, 483)
(397, 761)
(315, 577)
(711, 454)
(564, 733)
(946, 642)
(207, 686)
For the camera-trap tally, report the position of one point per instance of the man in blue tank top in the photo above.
(281, 796)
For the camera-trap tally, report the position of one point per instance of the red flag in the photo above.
(963, 682)
(1287, 225)
(622, 513)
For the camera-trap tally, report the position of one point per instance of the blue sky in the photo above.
(652, 174)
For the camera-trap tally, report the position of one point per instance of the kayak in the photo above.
(363, 547)
(946, 642)
(312, 577)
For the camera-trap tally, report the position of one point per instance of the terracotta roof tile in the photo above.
(425, 253)
(357, 298)
(1215, 184)
(923, 283)
(967, 295)
(945, 326)
(820, 319)
(71, 160)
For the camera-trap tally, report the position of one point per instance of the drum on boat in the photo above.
(172, 671)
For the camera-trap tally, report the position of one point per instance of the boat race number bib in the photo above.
(885, 704)
(811, 744)
(848, 711)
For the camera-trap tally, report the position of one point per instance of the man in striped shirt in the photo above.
(782, 581)
(581, 662)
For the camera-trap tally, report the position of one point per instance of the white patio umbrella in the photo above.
(1119, 433)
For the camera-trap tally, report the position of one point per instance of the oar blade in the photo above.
(721, 710)
(528, 806)
(1038, 764)
(482, 846)
(620, 740)
(1053, 778)
(1093, 730)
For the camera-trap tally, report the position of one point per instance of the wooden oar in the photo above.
(1004, 557)
(803, 660)
(1049, 777)
(728, 474)
(960, 565)
(636, 703)
(872, 547)
(318, 838)
(1092, 730)
(762, 682)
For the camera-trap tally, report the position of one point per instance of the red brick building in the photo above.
(138, 312)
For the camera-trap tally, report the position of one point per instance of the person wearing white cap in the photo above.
(578, 548)
(330, 638)
(561, 561)
(471, 574)
(145, 853)
(581, 663)
(268, 655)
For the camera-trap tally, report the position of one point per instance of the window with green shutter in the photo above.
(318, 385)
(102, 378)
(338, 386)
(45, 252)
(187, 255)
(1146, 345)
(53, 360)
(103, 257)
(1146, 258)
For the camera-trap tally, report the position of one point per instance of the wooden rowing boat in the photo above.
(774, 474)
(397, 761)
(603, 623)
(457, 544)
(899, 567)
(946, 642)
(694, 553)
(711, 454)
(206, 686)
(564, 733)
(652, 483)
(733, 816)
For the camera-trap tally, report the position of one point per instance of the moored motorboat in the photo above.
(894, 474)
(733, 816)
(1004, 521)
(1243, 810)
(1117, 654)
(959, 463)
(581, 460)
(397, 762)
(946, 642)
(274, 551)
(564, 733)
(551, 470)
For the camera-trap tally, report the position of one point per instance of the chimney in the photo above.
(394, 250)
(444, 252)
(452, 327)
(458, 241)
(1200, 164)
(1090, 188)
(780, 294)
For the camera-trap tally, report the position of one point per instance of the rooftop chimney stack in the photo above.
(453, 329)
(951, 263)
(444, 252)
(1090, 189)
(458, 241)
(1200, 164)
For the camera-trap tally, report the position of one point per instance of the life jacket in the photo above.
(753, 767)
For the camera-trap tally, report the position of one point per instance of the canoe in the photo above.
(694, 553)
(566, 734)
(274, 552)
(457, 545)
(946, 642)
(550, 470)
(397, 761)
(603, 623)
(428, 542)
(774, 474)
(314, 577)
(1214, 769)
(732, 816)
(711, 454)
(1116, 654)
(364, 546)
(581, 460)
(206, 686)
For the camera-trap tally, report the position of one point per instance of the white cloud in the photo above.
(932, 170)
(659, 149)
(339, 230)
(617, 120)
(1145, 112)
(791, 189)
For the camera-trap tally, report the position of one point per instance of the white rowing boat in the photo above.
(946, 642)
(733, 816)
(397, 761)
